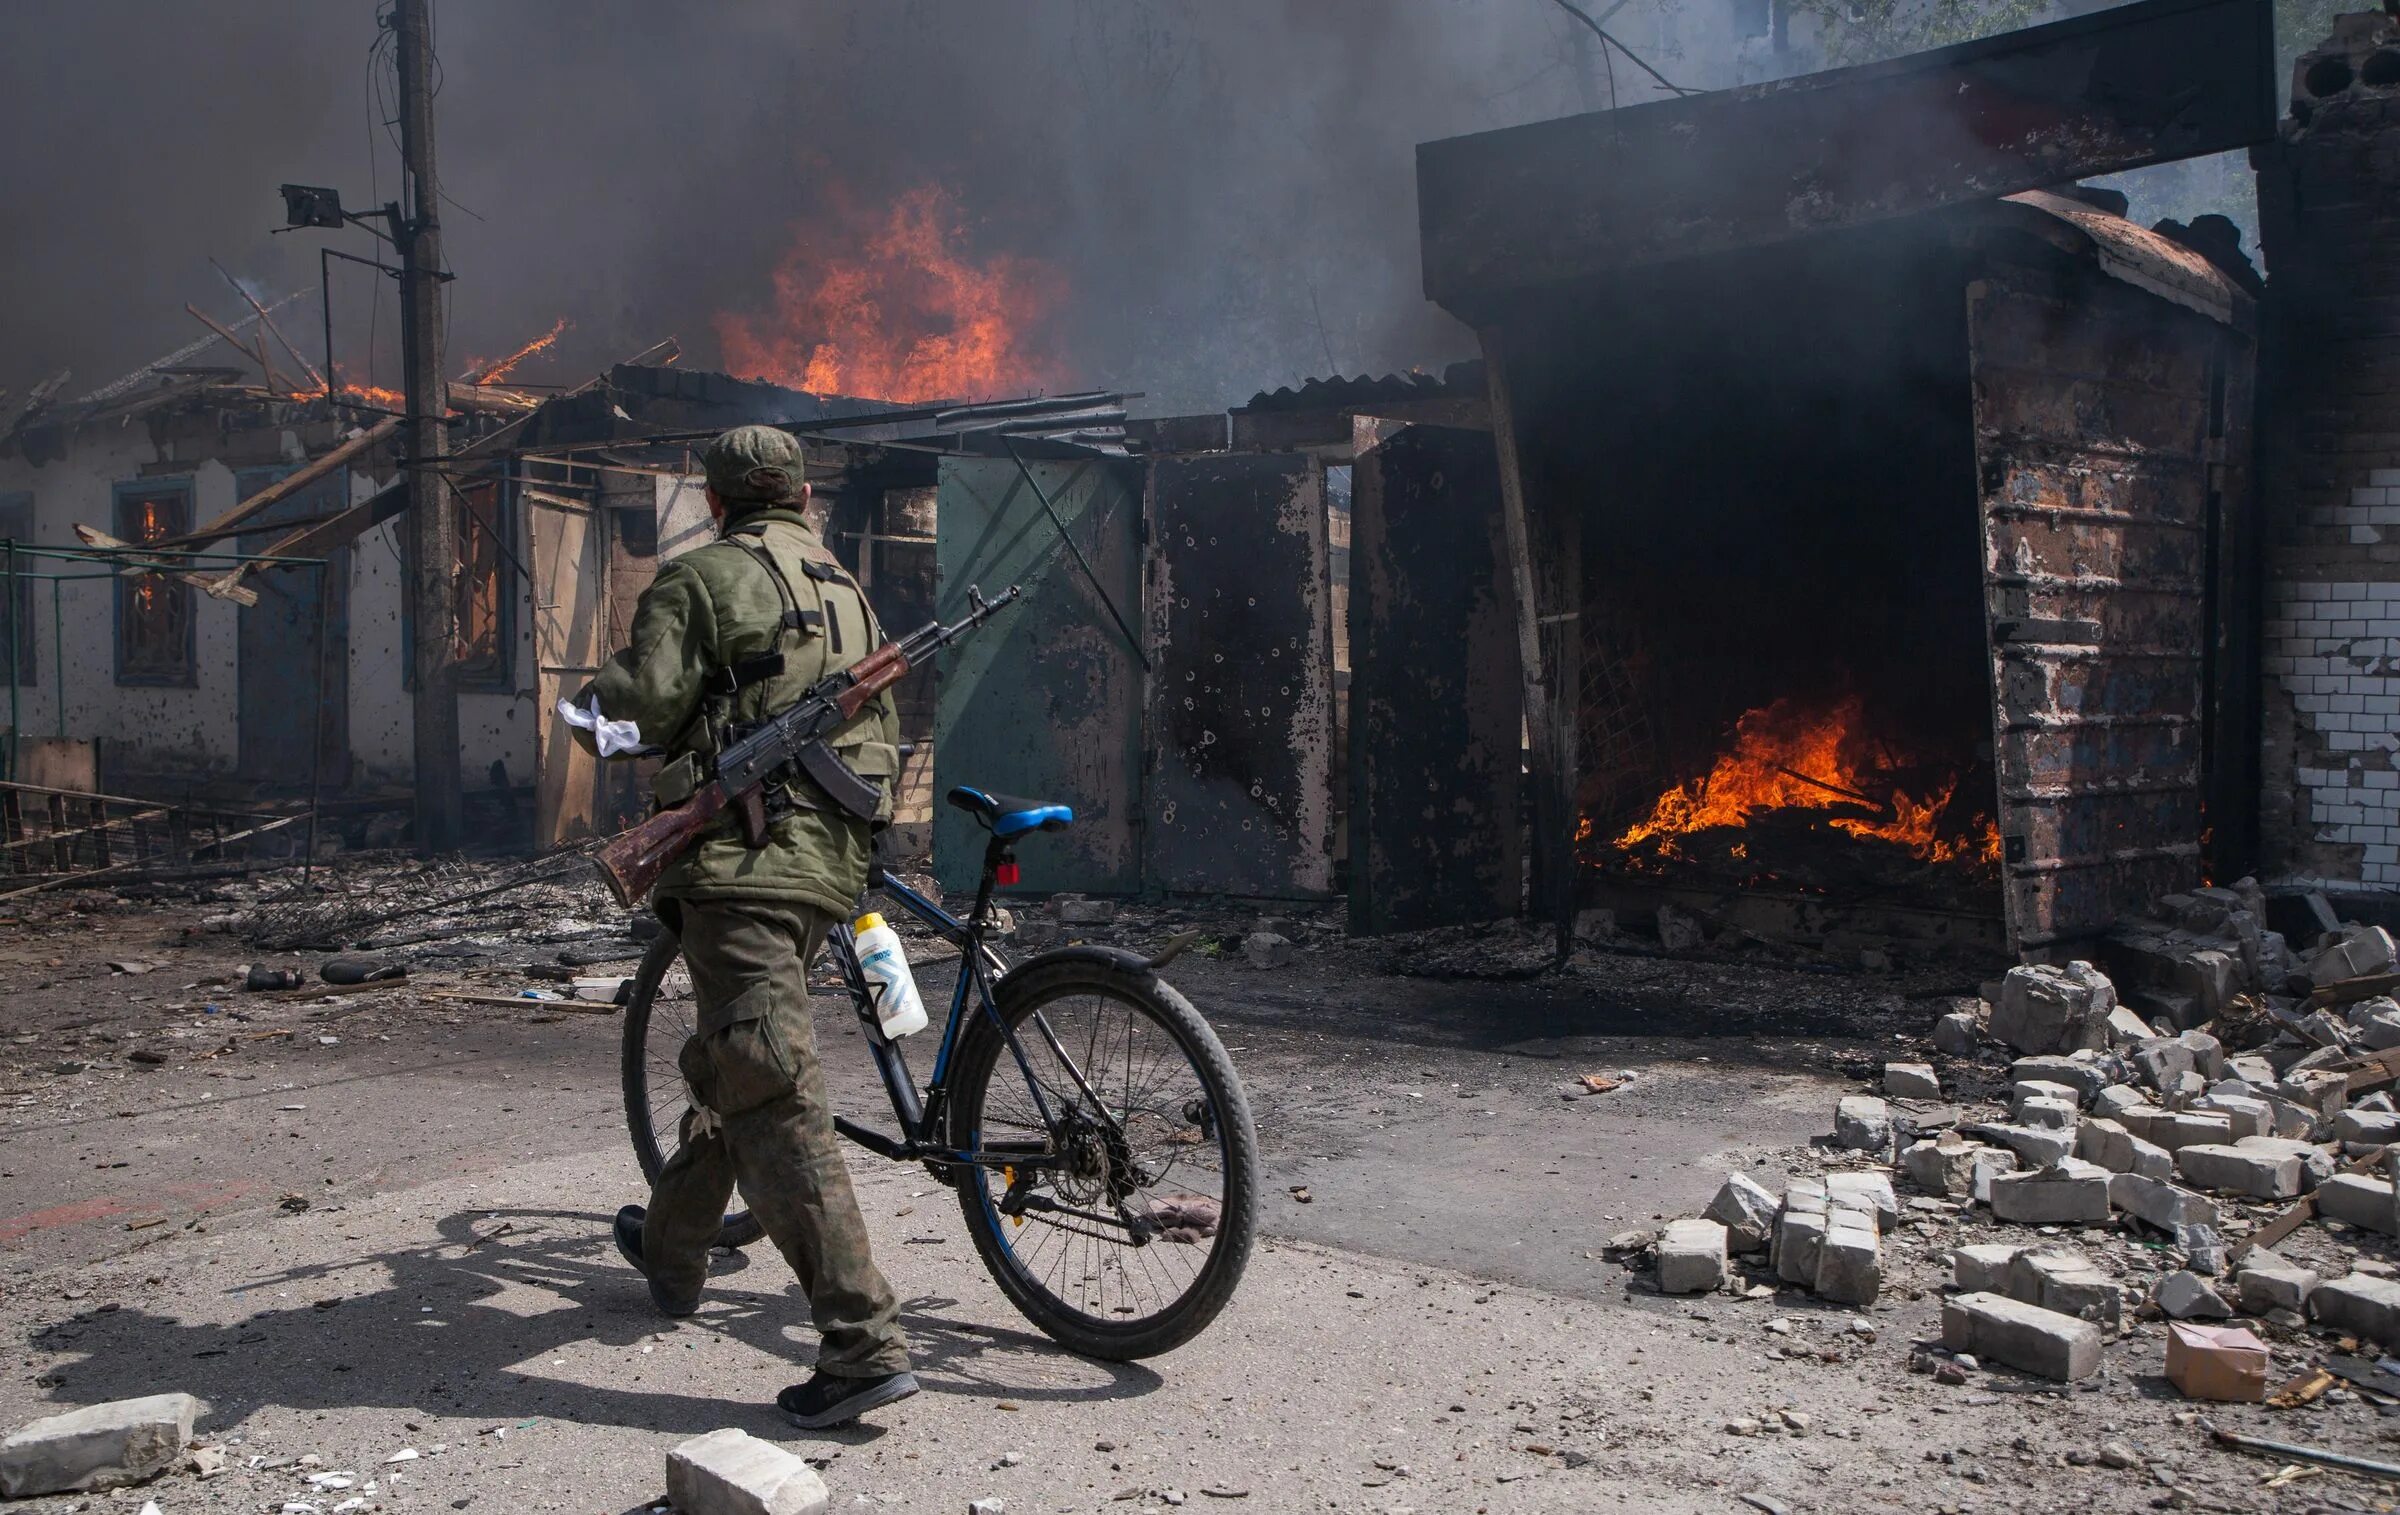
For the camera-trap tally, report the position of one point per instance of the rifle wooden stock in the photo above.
(877, 671)
(633, 860)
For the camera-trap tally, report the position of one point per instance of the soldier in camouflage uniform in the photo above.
(728, 634)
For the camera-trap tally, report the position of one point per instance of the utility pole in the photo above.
(432, 522)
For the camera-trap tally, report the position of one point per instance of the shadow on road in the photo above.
(469, 1326)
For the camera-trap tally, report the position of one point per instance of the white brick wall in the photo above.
(2335, 649)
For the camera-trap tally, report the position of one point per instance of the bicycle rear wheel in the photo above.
(1131, 1241)
(660, 1017)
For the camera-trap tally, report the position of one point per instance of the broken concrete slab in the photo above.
(2111, 1146)
(1955, 1034)
(1944, 1165)
(2185, 1295)
(1799, 1242)
(2161, 1204)
(2316, 1164)
(1863, 1123)
(2062, 1279)
(731, 1472)
(2072, 1193)
(1982, 1267)
(2116, 1099)
(2355, 1199)
(2047, 1114)
(2022, 1336)
(1850, 1258)
(2367, 1128)
(1746, 1209)
(2358, 951)
(1869, 1192)
(2247, 1115)
(1691, 1257)
(1911, 1081)
(102, 1446)
(2360, 1304)
(2160, 1060)
(2276, 1286)
(1990, 1165)
(2081, 1075)
(2177, 1129)
(2045, 1008)
(1267, 949)
(2036, 1146)
(2240, 1170)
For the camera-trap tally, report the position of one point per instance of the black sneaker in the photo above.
(628, 1230)
(829, 1401)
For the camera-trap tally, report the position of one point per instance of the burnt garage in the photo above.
(1872, 509)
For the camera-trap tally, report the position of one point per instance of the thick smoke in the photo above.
(1227, 189)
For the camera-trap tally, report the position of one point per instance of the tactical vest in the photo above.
(764, 665)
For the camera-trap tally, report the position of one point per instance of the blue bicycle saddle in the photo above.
(1007, 815)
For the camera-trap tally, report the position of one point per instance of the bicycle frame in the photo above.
(921, 1120)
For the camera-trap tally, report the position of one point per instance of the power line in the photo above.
(1631, 56)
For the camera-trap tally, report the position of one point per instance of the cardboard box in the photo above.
(2217, 1362)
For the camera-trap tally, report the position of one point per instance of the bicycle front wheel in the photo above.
(659, 1018)
(1125, 1231)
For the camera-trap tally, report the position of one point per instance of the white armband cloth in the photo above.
(611, 737)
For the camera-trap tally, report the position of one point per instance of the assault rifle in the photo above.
(793, 738)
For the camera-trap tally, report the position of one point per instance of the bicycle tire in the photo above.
(1046, 981)
(635, 1065)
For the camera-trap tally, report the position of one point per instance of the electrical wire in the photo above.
(1631, 56)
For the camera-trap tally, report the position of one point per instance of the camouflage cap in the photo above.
(755, 463)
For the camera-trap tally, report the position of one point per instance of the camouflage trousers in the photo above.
(768, 1130)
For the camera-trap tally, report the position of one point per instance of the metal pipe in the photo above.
(58, 654)
(316, 728)
(2298, 1453)
(14, 724)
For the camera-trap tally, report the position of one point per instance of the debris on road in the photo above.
(102, 1446)
(731, 1472)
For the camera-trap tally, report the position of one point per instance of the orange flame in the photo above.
(891, 309)
(1785, 757)
(481, 372)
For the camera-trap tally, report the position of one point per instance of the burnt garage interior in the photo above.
(1873, 531)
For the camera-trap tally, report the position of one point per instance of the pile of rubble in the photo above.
(2211, 1112)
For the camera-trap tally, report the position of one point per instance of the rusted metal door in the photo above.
(1241, 725)
(570, 586)
(1436, 705)
(1046, 700)
(2093, 421)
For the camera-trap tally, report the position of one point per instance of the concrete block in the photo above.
(2177, 1129)
(2043, 1008)
(1982, 1268)
(2022, 1336)
(2161, 1204)
(1990, 1165)
(2358, 1200)
(2357, 952)
(2251, 1069)
(1939, 1166)
(2360, 1304)
(1869, 1192)
(2208, 1054)
(2295, 1122)
(1954, 1035)
(2248, 1116)
(1911, 1081)
(102, 1446)
(2185, 1295)
(1799, 1242)
(2046, 1114)
(2066, 1281)
(2072, 1193)
(2316, 1164)
(2157, 1061)
(2035, 1146)
(2278, 1287)
(2116, 1099)
(1850, 1259)
(732, 1472)
(2367, 1127)
(2111, 1146)
(2124, 1027)
(1691, 1257)
(2320, 1091)
(2240, 1170)
(1746, 1209)
(2082, 1073)
(1863, 1123)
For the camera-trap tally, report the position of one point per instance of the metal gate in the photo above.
(2093, 421)
(1241, 725)
(292, 690)
(1046, 700)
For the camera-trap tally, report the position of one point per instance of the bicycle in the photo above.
(1138, 1166)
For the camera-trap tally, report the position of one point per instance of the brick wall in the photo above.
(2329, 211)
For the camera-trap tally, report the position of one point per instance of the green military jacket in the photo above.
(713, 609)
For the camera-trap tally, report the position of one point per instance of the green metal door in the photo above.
(1046, 700)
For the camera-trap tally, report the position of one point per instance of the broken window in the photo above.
(18, 630)
(482, 646)
(482, 629)
(154, 612)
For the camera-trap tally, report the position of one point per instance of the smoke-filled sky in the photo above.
(1224, 191)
